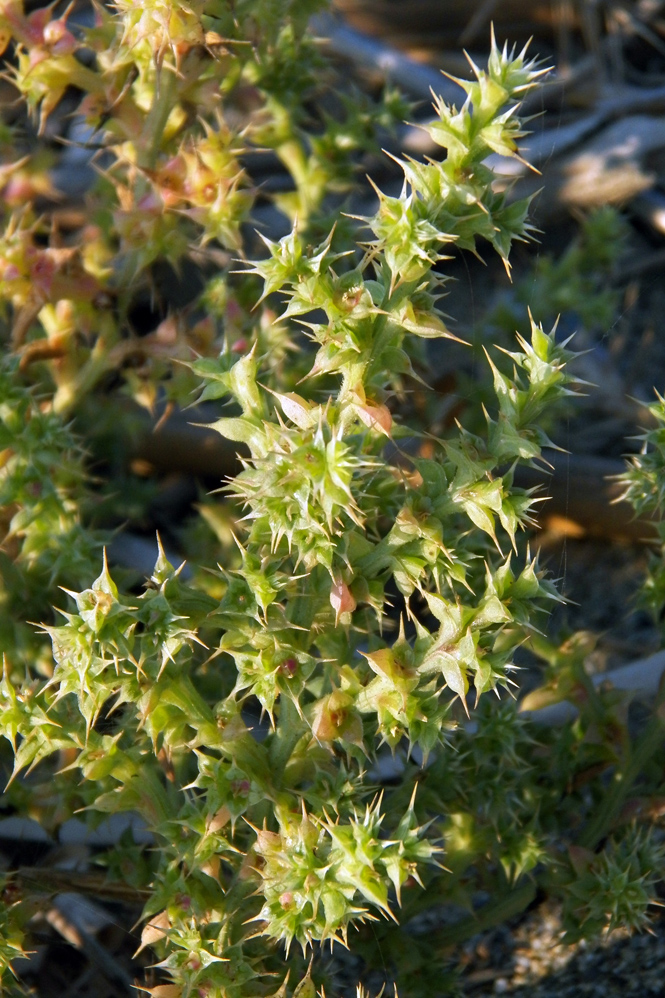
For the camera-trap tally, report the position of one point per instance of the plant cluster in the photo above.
(575, 288)
(171, 99)
(644, 488)
(379, 589)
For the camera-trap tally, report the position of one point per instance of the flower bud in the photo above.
(330, 716)
(33, 26)
(58, 37)
(170, 179)
(268, 842)
(377, 417)
(240, 788)
(9, 272)
(341, 598)
(289, 667)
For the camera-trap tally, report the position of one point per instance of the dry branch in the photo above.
(369, 54)
(607, 169)
(434, 22)
(582, 488)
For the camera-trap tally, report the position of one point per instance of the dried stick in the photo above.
(368, 53)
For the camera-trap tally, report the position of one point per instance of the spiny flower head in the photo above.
(616, 887)
(319, 875)
(302, 486)
(162, 24)
(303, 899)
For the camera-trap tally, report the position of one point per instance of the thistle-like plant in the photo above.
(379, 590)
(44, 540)
(171, 98)
(337, 532)
(644, 489)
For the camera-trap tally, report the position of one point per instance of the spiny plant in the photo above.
(575, 291)
(644, 488)
(378, 578)
(170, 98)
(45, 542)
(576, 286)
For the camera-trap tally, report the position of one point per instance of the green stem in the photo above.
(75, 384)
(150, 142)
(507, 906)
(649, 743)
(294, 158)
(289, 732)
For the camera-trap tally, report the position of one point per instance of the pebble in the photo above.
(533, 963)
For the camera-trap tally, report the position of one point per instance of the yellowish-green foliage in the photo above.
(376, 599)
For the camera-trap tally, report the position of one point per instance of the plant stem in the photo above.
(150, 141)
(46, 881)
(507, 906)
(624, 779)
(294, 158)
(289, 731)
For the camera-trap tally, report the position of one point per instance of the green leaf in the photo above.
(239, 429)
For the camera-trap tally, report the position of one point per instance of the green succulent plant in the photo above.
(379, 589)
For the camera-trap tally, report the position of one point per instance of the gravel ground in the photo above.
(526, 958)
(529, 961)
